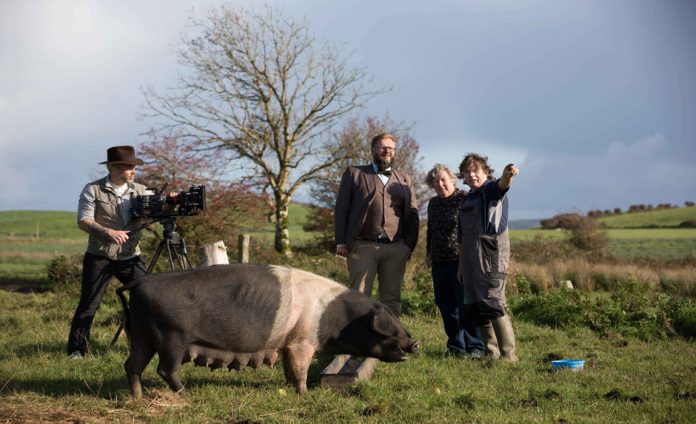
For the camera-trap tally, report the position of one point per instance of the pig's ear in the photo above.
(383, 322)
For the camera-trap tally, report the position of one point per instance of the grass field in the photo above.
(30, 239)
(48, 224)
(24, 256)
(297, 219)
(624, 380)
(655, 218)
(633, 242)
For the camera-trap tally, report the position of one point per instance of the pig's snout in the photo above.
(414, 347)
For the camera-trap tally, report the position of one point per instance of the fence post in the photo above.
(213, 254)
(244, 248)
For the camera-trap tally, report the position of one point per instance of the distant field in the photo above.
(24, 256)
(641, 242)
(48, 224)
(655, 218)
(30, 239)
(532, 233)
(297, 219)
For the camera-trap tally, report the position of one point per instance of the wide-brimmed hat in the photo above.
(122, 154)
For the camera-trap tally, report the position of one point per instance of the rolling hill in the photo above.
(662, 218)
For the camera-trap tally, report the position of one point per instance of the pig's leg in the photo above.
(134, 366)
(170, 362)
(296, 360)
(287, 370)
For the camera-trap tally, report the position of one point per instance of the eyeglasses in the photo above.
(385, 149)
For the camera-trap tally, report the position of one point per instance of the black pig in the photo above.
(237, 315)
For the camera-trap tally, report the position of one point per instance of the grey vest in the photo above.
(107, 214)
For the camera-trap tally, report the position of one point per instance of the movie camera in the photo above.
(185, 203)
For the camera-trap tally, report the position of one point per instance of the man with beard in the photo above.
(104, 212)
(376, 223)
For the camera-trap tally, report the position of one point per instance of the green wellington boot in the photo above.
(490, 341)
(506, 338)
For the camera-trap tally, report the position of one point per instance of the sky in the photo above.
(594, 100)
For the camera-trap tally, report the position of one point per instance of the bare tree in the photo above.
(262, 89)
(174, 165)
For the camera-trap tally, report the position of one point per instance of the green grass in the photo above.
(49, 224)
(655, 218)
(24, 256)
(633, 242)
(532, 233)
(625, 380)
(651, 242)
(296, 219)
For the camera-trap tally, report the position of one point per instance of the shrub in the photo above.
(633, 310)
(559, 308)
(540, 250)
(522, 284)
(65, 270)
(683, 313)
(563, 220)
(413, 303)
(586, 235)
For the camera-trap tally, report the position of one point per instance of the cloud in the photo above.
(451, 151)
(645, 170)
(82, 18)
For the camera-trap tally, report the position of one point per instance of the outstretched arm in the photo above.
(506, 180)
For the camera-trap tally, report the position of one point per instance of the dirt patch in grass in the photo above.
(17, 408)
(19, 286)
(20, 409)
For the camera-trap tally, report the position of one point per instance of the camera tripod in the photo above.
(174, 243)
(176, 250)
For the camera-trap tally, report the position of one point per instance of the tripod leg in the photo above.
(153, 262)
(177, 249)
(184, 255)
(116, 336)
(179, 260)
(169, 255)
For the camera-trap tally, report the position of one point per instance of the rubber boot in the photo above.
(490, 341)
(506, 338)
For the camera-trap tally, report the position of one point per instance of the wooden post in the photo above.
(213, 254)
(244, 248)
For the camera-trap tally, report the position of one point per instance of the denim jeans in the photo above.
(462, 335)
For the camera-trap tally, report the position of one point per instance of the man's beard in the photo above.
(382, 162)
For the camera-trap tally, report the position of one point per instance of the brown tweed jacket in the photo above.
(355, 194)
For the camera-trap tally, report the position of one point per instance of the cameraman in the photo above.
(104, 211)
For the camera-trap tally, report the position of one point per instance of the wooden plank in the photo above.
(335, 366)
(346, 370)
(367, 368)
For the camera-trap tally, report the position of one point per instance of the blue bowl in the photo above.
(571, 364)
